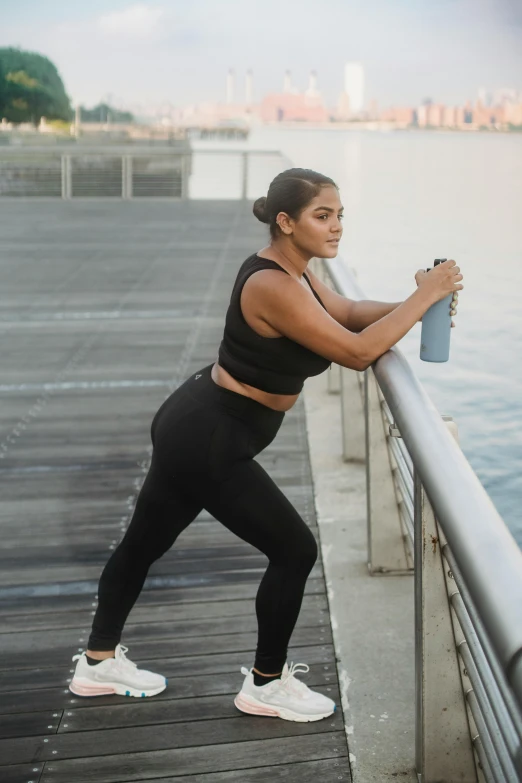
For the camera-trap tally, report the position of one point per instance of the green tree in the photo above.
(31, 88)
(105, 113)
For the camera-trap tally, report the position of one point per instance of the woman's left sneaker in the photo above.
(286, 697)
(114, 675)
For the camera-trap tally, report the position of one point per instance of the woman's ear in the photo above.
(285, 223)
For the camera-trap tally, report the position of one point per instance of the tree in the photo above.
(31, 88)
(105, 113)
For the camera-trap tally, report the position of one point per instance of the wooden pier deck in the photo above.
(104, 308)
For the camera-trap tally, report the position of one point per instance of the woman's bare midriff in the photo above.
(278, 402)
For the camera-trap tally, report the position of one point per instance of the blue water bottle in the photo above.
(436, 329)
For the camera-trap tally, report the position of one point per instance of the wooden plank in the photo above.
(21, 773)
(144, 739)
(230, 591)
(321, 771)
(87, 537)
(192, 761)
(168, 613)
(92, 552)
(146, 712)
(161, 648)
(215, 663)
(39, 574)
(29, 723)
(61, 698)
(63, 574)
(212, 534)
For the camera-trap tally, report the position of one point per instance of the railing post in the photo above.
(184, 177)
(126, 177)
(66, 177)
(352, 415)
(333, 375)
(244, 176)
(443, 746)
(386, 541)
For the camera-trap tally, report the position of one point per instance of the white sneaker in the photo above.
(114, 675)
(287, 697)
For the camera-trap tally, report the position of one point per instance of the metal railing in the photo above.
(110, 171)
(427, 508)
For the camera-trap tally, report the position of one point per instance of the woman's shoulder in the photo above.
(255, 263)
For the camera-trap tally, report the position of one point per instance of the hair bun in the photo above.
(259, 210)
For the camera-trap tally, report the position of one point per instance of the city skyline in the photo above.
(153, 52)
(308, 104)
(238, 89)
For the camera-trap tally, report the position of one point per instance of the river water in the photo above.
(411, 197)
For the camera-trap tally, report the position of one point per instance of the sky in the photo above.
(146, 54)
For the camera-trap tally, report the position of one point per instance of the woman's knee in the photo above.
(139, 551)
(301, 552)
(309, 551)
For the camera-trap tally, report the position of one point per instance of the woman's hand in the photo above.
(443, 283)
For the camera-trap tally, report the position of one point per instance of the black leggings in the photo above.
(204, 441)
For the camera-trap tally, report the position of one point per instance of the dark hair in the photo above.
(290, 192)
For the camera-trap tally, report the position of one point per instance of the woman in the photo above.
(283, 325)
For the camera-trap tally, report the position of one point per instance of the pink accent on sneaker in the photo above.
(90, 690)
(243, 704)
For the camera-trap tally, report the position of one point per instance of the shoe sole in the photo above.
(85, 688)
(253, 707)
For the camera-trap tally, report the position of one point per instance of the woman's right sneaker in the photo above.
(114, 675)
(286, 697)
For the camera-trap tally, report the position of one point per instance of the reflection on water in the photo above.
(411, 197)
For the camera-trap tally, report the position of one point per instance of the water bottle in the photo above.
(436, 329)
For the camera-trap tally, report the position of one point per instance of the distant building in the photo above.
(288, 107)
(449, 117)
(373, 110)
(402, 115)
(506, 95)
(460, 116)
(312, 91)
(430, 114)
(343, 107)
(288, 87)
(354, 86)
(485, 116)
(513, 113)
(485, 97)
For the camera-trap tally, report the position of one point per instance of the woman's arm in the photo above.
(366, 311)
(285, 305)
(357, 315)
(352, 314)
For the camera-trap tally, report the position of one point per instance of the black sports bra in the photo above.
(273, 364)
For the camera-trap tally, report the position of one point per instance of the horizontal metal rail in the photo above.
(485, 562)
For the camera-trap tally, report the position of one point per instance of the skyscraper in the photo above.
(354, 86)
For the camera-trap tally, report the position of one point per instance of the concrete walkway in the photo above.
(372, 616)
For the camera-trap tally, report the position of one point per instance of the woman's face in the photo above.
(319, 228)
